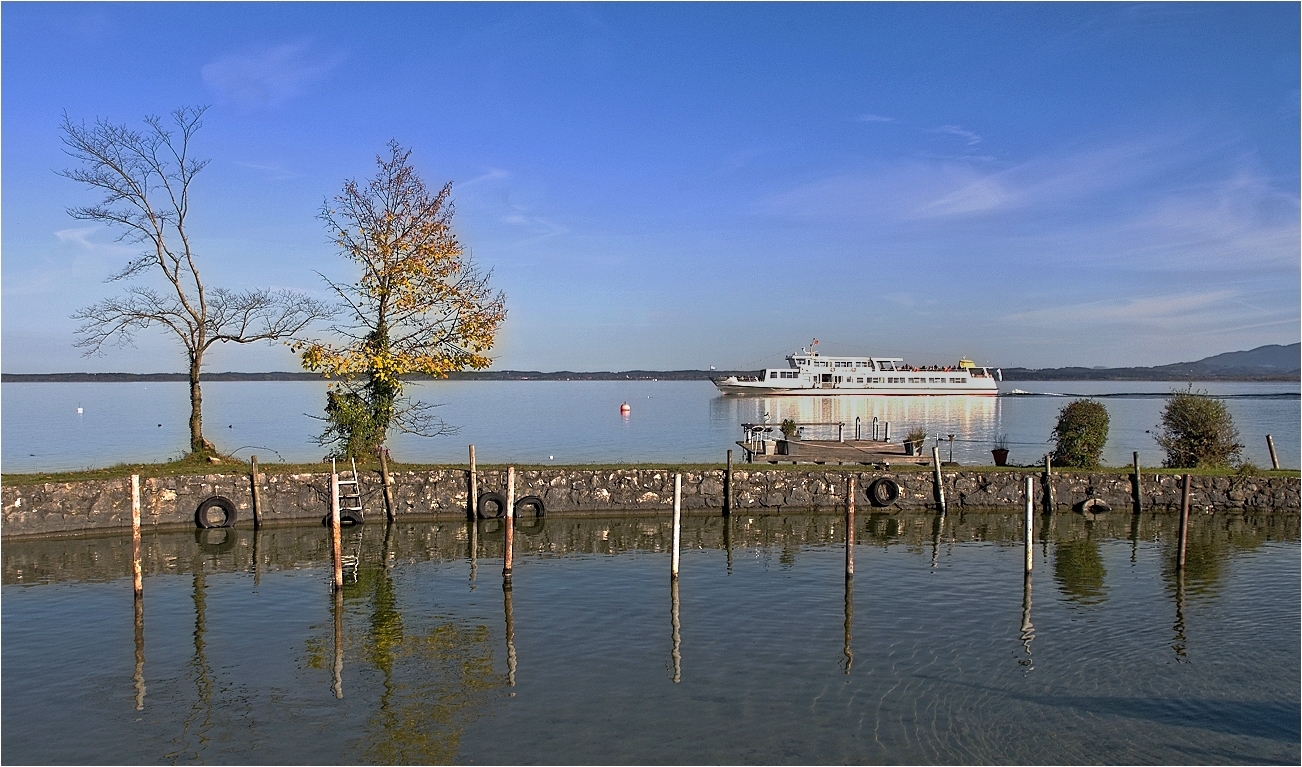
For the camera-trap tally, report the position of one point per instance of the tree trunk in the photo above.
(198, 444)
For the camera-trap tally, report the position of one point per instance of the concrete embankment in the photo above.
(171, 501)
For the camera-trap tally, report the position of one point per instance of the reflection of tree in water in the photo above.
(435, 681)
(1078, 569)
(1213, 542)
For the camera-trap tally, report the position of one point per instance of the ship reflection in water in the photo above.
(251, 657)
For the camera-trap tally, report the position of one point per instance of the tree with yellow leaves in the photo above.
(419, 306)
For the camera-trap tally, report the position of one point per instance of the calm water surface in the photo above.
(563, 422)
(938, 652)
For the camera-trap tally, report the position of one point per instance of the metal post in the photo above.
(849, 528)
(678, 523)
(887, 436)
(1029, 531)
(1048, 484)
(1274, 459)
(257, 495)
(474, 485)
(940, 481)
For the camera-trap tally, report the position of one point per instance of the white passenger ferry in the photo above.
(812, 373)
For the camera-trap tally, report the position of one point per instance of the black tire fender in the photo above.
(347, 518)
(215, 502)
(883, 492)
(485, 500)
(530, 501)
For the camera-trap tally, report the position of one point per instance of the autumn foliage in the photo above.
(418, 306)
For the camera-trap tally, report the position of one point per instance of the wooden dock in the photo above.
(834, 452)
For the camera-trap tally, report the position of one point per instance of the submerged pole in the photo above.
(849, 528)
(1184, 521)
(678, 525)
(940, 481)
(137, 571)
(508, 553)
(474, 485)
(1029, 533)
(1274, 459)
(257, 494)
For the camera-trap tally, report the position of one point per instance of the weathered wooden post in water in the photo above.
(336, 545)
(1030, 524)
(727, 487)
(1139, 487)
(137, 571)
(1184, 522)
(849, 528)
(257, 494)
(678, 526)
(474, 486)
(389, 510)
(509, 552)
(1274, 459)
(1048, 484)
(940, 480)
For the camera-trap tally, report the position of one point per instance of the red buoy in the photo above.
(624, 408)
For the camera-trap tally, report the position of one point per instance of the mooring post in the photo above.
(727, 487)
(1184, 521)
(474, 485)
(336, 545)
(858, 429)
(257, 495)
(1139, 487)
(1048, 484)
(137, 572)
(1274, 459)
(678, 525)
(840, 432)
(940, 480)
(849, 527)
(887, 436)
(389, 510)
(1029, 533)
(510, 525)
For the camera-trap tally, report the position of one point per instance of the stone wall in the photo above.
(172, 501)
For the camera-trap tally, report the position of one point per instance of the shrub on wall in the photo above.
(1197, 431)
(1080, 434)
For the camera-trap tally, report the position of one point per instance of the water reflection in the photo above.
(510, 633)
(337, 679)
(849, 624)
(139, 676)
(1078, 569)
(1027, 634)
(675, 653)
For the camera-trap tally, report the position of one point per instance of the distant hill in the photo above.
(1265, 363)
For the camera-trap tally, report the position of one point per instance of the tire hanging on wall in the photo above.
(530, 501)
(347, 518)
(497, 500)
(883, 492)
(215, 502)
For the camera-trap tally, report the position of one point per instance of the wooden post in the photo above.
(1030, 523)
(678, 523)
(1139, 487)
(389, 510)
(257, 495)
(940, 480)
(849, 528)
(509, 552)
(1184, 522)
(1274, 459)
(336, 546)
(1048, 484)
(137, 572)
(474, 485)
(727, 487)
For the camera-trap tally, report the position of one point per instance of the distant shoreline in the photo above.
(1010, 374)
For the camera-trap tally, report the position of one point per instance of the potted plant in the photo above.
(1001, 450)
(913, 441)
(790, 434)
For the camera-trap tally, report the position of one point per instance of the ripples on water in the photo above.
(937, 652)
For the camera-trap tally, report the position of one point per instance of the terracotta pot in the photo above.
(1001, 457)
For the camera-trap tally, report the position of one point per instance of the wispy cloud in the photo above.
(1162, 311)
(77, 236)
(957, 130)
(266, 78)
(538, 227)
(493, 174)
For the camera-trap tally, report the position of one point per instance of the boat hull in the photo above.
(743, 388)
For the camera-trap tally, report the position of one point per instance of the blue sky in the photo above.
(678, 186)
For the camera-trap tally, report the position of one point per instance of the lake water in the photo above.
(540, 422)
(938, 652)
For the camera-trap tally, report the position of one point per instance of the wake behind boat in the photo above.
(811, 373)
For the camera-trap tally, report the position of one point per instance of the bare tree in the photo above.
(145, 177)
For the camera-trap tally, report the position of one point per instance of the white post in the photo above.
(510, 523)
(1030, 510)
(678, 523)
(137, 572)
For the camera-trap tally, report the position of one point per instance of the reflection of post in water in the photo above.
(849, 623)
(1028, 631)
(675, 654)
(510, 633)
(727, 538)
(473, 524)
(140, 651)
(337, 685)
(202, 708)
(937, 528)
(1179, 642)
(1134, 535)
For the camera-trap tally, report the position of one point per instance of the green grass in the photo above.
(196, 467)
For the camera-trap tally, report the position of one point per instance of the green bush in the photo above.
(1197, 432)
(789, 429)
(1080, 434)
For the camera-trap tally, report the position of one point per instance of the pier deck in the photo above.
(835, 452)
